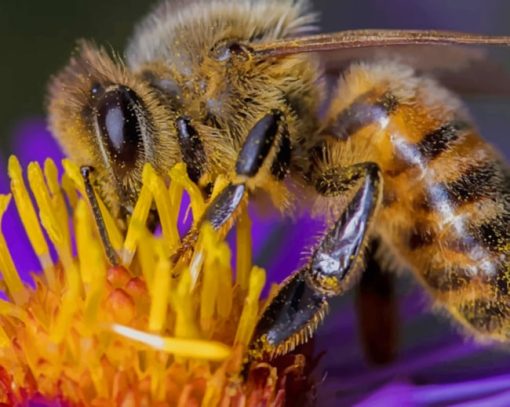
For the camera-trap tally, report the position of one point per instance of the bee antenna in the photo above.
(103, 233)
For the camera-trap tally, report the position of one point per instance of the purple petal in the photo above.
(392, 394)
(456, 392)
(499, 400)
(280, 245)
(32, 141)
(39, 401)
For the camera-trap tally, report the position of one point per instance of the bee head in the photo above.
(108, 118)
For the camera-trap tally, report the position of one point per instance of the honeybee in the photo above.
(236, 88)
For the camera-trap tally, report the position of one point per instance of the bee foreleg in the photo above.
(222, 211)
(258, 144)
(253, 154)
(293, 315)
(192, 149)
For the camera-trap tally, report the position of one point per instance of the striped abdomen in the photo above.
(446, 206)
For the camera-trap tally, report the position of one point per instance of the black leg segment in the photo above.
(221, 209)
(192, 149)
(255, 150)
(293, 315)
(258, 144)
(338, 253)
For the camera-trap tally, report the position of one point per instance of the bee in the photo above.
(237, 89)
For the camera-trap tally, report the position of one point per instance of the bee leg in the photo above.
(293, 315)
(192, 149)
(222, 211)
(377, 309)
(252, 156)
(98, 217)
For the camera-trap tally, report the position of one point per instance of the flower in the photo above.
(436, 366)
(142, 333)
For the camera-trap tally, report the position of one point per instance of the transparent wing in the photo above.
(470, 71)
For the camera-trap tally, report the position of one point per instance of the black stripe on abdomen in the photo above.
(436, 142)
(362, 112)
(480, 181)
(409, 155)
(494, 234)
(477, 182)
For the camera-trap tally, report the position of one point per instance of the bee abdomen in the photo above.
(446, 206)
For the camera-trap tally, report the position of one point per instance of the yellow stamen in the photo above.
(143, 333)
(182, 302)
(59, 205)
(88, 248)
(161, 290)
(49, 213)
(168, 213)
(175, 192)
(15, 287)
(186, 348)
(71, 302)
(138, 218)
(250, 311)
(219, 185)
(29, 219)
(147, 257)
(178, 175)
(216, 292)
(243, 249)
(92, 262)
(6, 308)
(70, 190)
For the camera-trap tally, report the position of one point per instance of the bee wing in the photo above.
(465, 70)
(468, 71)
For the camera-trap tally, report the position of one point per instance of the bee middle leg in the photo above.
(293, 315)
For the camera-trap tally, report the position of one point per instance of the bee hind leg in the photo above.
(293, 315)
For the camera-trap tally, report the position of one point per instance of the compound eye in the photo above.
(120, 120)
